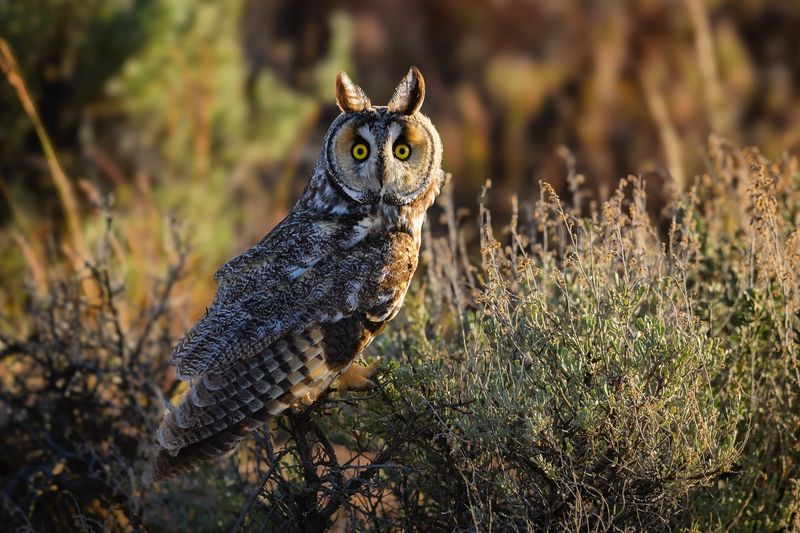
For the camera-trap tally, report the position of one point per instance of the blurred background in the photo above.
(213, 111)
(131, 128)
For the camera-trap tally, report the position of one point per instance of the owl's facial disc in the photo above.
(409, 161)
(382, 156)
(389, 154)
(354, 155)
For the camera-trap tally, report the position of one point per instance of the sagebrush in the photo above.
(585, 369)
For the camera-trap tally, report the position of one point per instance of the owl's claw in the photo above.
(358, 377)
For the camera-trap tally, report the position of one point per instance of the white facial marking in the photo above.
(394, 169)
(366, 134)
(394, 132)
(368, 169)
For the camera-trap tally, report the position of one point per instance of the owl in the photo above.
(292, 313)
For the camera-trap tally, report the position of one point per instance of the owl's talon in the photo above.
(310, 397)
(358, 377)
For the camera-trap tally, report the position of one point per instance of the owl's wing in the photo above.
(223, 406)
(257, 353)
(294, 278)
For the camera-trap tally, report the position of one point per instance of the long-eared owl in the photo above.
(293, 312)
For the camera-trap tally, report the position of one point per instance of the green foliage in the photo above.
(59, 42)
(580, 395)
(598, 377)
(593, 369)
(586, 374)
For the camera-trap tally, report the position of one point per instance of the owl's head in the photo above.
(383, 154)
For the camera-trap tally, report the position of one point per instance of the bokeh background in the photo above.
(131, 129)
(214, 111)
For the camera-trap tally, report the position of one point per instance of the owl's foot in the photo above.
(358, 377)
(311, 396)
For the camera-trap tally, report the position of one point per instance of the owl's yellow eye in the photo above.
(402, 151)
(360, 151)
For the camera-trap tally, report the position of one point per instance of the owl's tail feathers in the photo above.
(188, 437)
(169, 463)
(222, 407)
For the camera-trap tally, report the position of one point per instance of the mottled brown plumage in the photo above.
(293, 312)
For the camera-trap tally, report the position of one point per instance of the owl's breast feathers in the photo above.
(308, 271)
(290, 315)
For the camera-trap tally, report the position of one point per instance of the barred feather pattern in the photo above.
(293, 312)
(246, 371)
(221, 408)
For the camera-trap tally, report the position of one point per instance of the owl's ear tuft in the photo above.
(409, 94)
(349, 96)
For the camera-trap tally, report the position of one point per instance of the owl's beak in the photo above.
(381, 173)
